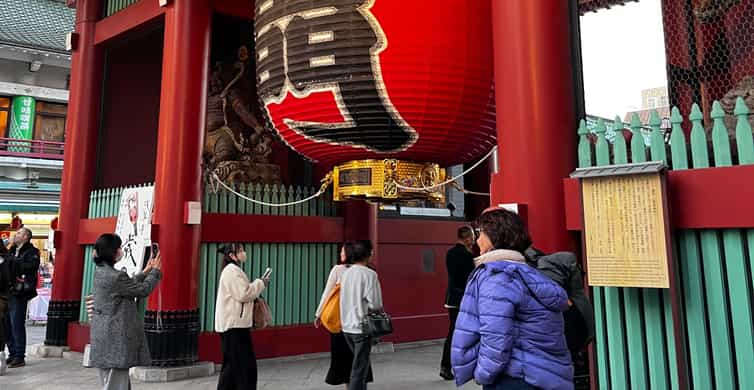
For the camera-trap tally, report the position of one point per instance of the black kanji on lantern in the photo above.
(329, 45)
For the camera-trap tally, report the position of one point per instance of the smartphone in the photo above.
(267, 273)
(155, 249)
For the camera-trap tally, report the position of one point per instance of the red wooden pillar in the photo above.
(78, 173)
(172, 318)
(535, 113)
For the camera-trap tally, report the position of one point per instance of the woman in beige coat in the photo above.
(234, 319)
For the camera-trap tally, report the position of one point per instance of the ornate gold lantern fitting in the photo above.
(387, 180)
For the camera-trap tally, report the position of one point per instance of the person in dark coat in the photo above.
(5, 286)
(117, 334)
(563, 268)
(459, 262)
(24, 264)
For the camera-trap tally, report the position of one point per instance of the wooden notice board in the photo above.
(626, 228)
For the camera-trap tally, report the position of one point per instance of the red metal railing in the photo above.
(31, 148)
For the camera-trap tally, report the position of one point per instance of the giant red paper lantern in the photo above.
(344, 80)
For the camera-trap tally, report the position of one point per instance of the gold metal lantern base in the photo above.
(387, 181)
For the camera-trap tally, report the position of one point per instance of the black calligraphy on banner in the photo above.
(329, 45)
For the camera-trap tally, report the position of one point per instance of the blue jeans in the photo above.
(15, 327)
(507, 383)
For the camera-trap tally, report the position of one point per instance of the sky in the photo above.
(623, 52)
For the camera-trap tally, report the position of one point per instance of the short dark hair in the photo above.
(465, 232)
(107, 246)
(357, 250)
(28, 232)
(230, 249)
(505, 229)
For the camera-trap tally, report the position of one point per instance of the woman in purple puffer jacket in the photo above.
(509, 333)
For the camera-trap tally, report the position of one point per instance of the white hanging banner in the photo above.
(134, 227)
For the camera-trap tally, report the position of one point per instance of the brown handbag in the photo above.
(262, 314)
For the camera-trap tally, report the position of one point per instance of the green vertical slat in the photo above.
(222, 202)
(657, 138)
(232, 201)
(313, 286)
(202, 286)
(307, 312)
(290, 287)
(670, 332)
(632, 302)
(735, 262)
(620, 154)
(741, 302)
(713, 273)
(267, 197)
(212, 205)
(744, 138)
(690, 267)
(695, 310)
(678, 153)
(585, 147)
(613, 313)
(297, 209)
(265, 256)
(745, 145)
(312, 205)
(213, 277)
(718, 310)
(638, 148)
(298, 287)
(603, 377)
(720, 138)
(654, 308)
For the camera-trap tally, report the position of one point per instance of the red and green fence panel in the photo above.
(300, 270)
(635, 346)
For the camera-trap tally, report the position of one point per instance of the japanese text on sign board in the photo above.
(625, 230)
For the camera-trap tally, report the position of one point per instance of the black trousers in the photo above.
(361, 345)
(239, 371)
(452, 316)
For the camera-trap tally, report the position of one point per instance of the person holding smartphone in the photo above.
(234, 312)
(117, 331)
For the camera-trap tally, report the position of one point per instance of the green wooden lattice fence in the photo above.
(635, 334)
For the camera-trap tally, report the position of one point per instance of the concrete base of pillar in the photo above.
(171, 374)
(46, 351)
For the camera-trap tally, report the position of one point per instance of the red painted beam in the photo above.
(243, 9)
(270, 228)
(695, 199)
(417, 231)
(230, 227)
(91, 229)
(130, 18)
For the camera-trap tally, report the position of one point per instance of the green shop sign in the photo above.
(22, 123)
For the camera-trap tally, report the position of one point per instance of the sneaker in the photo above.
(8, 360)
(17, 363)
(446, 374)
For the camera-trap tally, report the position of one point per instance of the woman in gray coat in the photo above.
(117, 331)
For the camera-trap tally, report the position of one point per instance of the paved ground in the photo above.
(410, 368)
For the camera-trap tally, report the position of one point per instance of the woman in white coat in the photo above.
(234, 319)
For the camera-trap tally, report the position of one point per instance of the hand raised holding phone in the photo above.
(155, 262)
(266, 276)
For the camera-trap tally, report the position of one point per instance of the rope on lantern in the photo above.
(217, 182)
(453, 179)
(465, 191)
